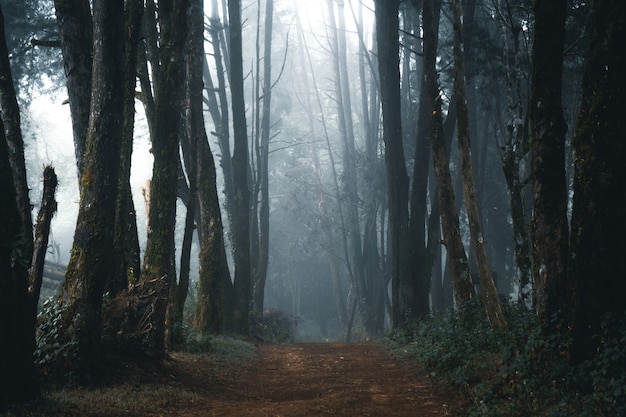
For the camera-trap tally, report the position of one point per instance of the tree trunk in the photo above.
(243, 284)
(598, 221)
(76, 34)
(10, 113)
(126, 241)
(160, 247)
(260, 270)
(549, 227)
(488, 287)
(397, 178)
(457, 259)
(89, 266)
(213, 267)
(42, 233)
(221, 116)
(17, 330)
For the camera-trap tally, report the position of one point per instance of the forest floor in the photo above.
(287, 380)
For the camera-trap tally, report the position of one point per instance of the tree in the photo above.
(243, 279)
(89, 268)
(76, 35)
(126, 241)
(455, 252)
(397, 178)
(549, 227)
(262, 193)
(159, 269)
(17, 377)
(597, 241)
(213, 266)
(15, 142)
(489, 291)
(515, 148)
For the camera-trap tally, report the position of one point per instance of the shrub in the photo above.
(519, 371)
(274, 326)
(56, 351)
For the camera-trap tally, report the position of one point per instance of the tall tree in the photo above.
(76, 33)
(126, 241)
(489, 291)
(597, 261)
(15, 142)
(387, 27)
(455, 252)
(549, 224)
(17, 377)
(243, 279)
(159, 267)
(89, 266)
(260, 269)
(515, 148)
(213, 266)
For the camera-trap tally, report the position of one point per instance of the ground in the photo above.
(314, 379)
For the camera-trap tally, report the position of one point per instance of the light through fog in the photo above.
(292, 140)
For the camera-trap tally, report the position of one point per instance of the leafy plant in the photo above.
(56, 351)
(520, 370)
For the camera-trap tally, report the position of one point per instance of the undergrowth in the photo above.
(518, 371)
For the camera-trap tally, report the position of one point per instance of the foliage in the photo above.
(519, 371)
(56, 351)
(274, 326)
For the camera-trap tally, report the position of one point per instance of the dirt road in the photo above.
(320, 380)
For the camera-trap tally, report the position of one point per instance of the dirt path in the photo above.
(318, 380)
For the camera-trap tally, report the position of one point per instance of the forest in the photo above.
(443, 176)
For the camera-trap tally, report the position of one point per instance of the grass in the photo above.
(181, 381)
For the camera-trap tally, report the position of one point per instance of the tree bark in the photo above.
(10, 113)
(76, 33)
(42, 233)
(489, 291)
(457, 259)
(89, 266)
(260, 269)
(243, 279)
(160, 247)
(126, 241)
(387, 27)
(17, 331)
(549, 228)
(598, 223)
(213, 266)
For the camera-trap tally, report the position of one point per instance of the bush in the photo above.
(274, 326)
(519, 371)
(56, 351)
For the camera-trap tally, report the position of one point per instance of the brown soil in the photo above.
(329, 379)
(316, 379)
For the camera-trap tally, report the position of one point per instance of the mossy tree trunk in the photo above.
(213, 266)
(42, 233)
(243, 278)
(17, 331)
(90, 264)
(549, 228)
(598, 222)
(160, 247)
(126, 236)
(15, 142)
(76, 34)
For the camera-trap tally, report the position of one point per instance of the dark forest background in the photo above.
(345, 167)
